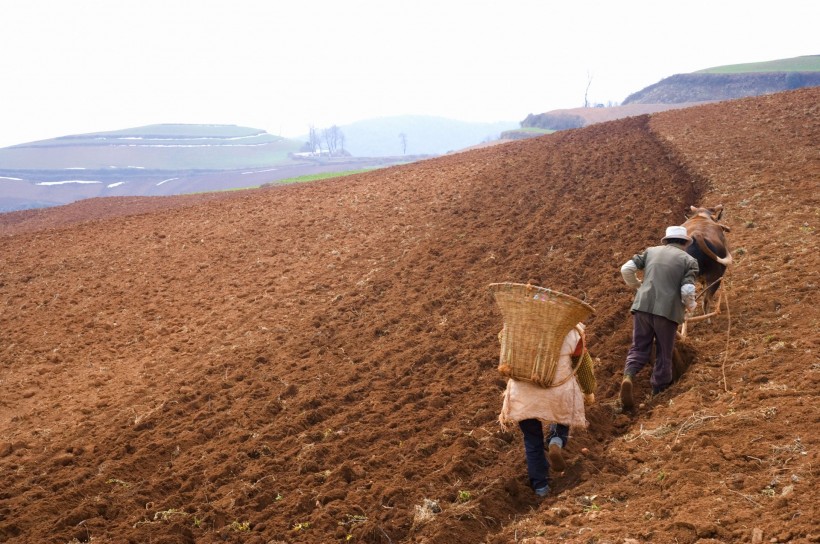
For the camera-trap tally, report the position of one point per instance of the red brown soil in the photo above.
(310, 363)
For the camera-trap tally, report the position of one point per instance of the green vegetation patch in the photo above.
(298, 179)
(808, 63)
(325, 175)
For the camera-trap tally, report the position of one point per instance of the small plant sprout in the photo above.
(661, 476)
(588, 501)
(353, 519)
(592, 508)
(115, 481)
(240, 527)
(165, 515)
(301, 526)
(464, 496)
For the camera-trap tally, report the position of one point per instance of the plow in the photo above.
(705, 316)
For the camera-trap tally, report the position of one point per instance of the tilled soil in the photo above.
(317, 363)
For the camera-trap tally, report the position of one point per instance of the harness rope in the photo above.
(728, 338)
(709, 287)
(724, 295)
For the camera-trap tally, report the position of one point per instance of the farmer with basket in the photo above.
(550, 373)
(668, 286)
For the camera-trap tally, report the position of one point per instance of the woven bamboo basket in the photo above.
(536, 321)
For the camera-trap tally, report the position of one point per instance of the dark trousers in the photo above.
(537, 464)
(646, 330)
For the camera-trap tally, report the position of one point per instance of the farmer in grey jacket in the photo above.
(668, 286)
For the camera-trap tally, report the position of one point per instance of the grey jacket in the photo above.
(666, 269)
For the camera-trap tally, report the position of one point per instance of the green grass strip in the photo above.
(298, 179)
(324, 175)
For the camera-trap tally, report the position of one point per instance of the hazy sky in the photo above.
(78, 66)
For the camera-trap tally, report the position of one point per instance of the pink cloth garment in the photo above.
(562, 404)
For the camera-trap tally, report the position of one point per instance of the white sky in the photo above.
(78, 66)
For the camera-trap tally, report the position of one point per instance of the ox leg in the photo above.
(691, 320)
(707, 301)
(709, 296)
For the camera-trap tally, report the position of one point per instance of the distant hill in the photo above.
(154, 160)
(172, 159)
(731, 82)
(686, 90)
(425, 135)
(153, 147)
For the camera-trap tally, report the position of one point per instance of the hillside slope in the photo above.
(714, 84)
(704, 87)
(172, 159)
(143, 161)
(731, 82)
(153, 147)
(156, 160)
(310, 363)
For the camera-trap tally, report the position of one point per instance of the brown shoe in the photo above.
(626, 393)
(556, 458)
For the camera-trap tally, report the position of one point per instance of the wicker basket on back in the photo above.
(536, 321)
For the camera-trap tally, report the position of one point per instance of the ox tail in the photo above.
(725, 261)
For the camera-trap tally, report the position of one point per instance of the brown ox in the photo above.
(709, 248)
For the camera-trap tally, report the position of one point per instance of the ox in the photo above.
(709, 248)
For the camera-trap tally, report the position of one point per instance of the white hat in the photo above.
(676, 232)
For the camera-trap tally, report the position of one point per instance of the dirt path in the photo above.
(304, 363)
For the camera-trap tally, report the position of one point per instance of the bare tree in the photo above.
(326, 138)
(313, 140)
(586, 92)
(333, 137)
(403, 140)
(330, 140)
